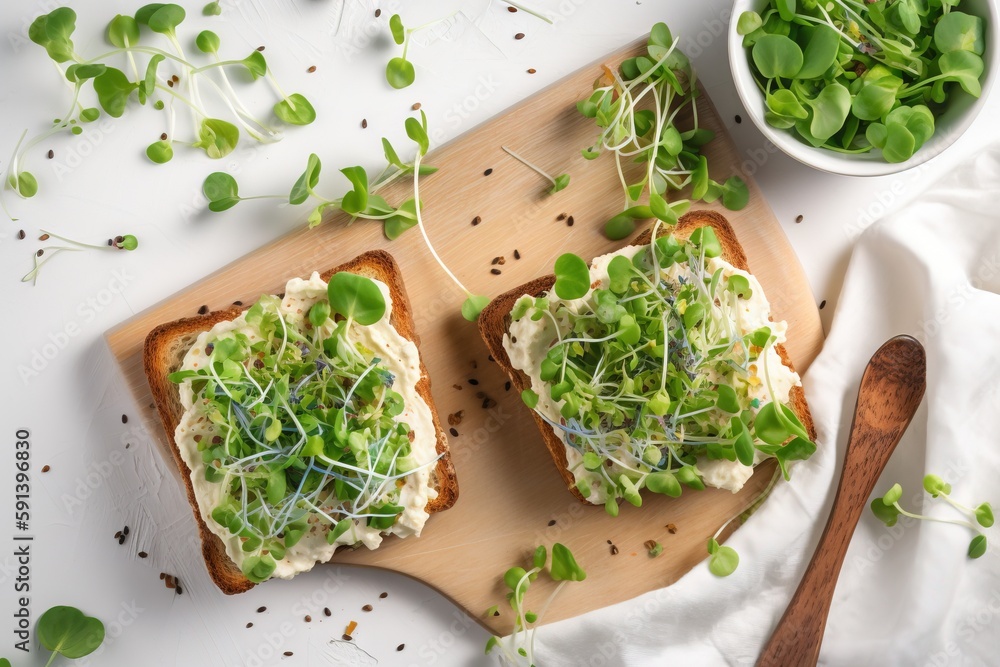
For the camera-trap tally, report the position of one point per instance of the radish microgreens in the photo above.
(560, 182)
(519, 648)
(664, 80)
(68, 632)
(114, 89)
(304, 425)
(888, 511)
(657, 372)
(44, 255)
(856, 77)
(399, 71)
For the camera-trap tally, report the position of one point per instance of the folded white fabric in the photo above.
(908, 595)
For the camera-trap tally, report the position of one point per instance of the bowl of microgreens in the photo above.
(863, 88)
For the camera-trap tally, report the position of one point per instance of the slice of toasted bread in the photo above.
(164, 352)
(495, 320)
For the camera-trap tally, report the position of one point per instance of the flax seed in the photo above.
(312, 68)
(488, 171)
(46, 468)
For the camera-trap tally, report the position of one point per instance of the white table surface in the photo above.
(58, 379)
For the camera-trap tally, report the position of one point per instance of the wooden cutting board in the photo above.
(511, 497)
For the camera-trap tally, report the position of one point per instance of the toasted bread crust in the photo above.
(164, 351)
(495, 321)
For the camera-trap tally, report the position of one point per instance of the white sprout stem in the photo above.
(529, 165)
(131, 60)
(956, 522)
(538, 620)
(423, 230)
(33, 274)
(957, 505)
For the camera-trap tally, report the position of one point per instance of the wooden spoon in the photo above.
(891, 389)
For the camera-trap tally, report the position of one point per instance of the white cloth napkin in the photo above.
(907, 595)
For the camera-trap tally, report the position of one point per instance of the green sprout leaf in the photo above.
(67, 631)
(295, 110)
(217, 137)
(977, 547)
(27, 186)
(113, 89)
(564, 567)
(984, 515)
(561, 183)
(935, 486)
(123, 31)
(572, 277)
(257, 67)
(306, 182)
(52, 31)
(212, 9)
(221, 190)
(160, 152)
(473, 306)
(777, 56)
(887, 514)
(723, 560)
(148, 85)
(619, 227)
(356, 298)
(416, 131)
(355, 201)
(958, 31)
(208, 42)
(748, 22)
(400, 73)
(161, 18)
(398, 31)
(128, 242)
(893, 495)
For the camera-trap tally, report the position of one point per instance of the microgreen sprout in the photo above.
(888, 511)
(399, 71)
(858, 77)
(519, 648)
(302, 428)
(636, 109)
(560, 182)
(43, 255)
(68, 632)
(657, 371)
(114, 89)
(212, 9)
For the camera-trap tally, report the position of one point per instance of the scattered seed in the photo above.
(308, 618)
(162, 575)
(609, 541)
(532, 70)
(143, 554)
(326, 611)
(506, 385)
(261, 610)
(170, 581)
(496, 272)
(671, 528)
(111, 241)
(453, 431)
(799, 218)
(39, 253)
(560, 217)
(289, 653)
(119, 239)
(473, 381)
(512, 10)
(570, 221)
(260, 48)
(367, 607)
(519, 35)
(175, 78)
(124, 419)
(457, 386)
(416, 106)
(517, 255)
(237, 303)
(43, 237)
(383, 596)
(614, 550)
(649, 544)
(347, 638)
(476, 220)
(180, 591)
(378, 13)
(488, 171)
(312, 68)
(51, 154)
(402, 646)
(496, 260)
(249, 625)
(503, 260)
(822, 305)
(170, 83)
(163, 136)
(21, 234)
(455, 418)
(125, 531)
(739, 119)
(118, 535)
(488, 403)
(552, 522)
(121, 540)
(364, 123)
(490, 356)
(203, 310)
(46, 468)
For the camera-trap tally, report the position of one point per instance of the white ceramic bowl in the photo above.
(961, 111)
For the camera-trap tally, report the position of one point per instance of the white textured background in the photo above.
(57, 379)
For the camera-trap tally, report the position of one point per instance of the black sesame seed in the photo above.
(261, 610)
(378, 13)
(488, 171)
(203, 310)
(822, 305)
(517, 255)
(799, 218)
(570, 221)
(51, 154)
(125, 421)
(473, 381)
(739, 119)
(402, 646)
(20, 234)
(552, 522)
(496, 272)
(506, 385)
(143, 554)
(364, 123)
(453, 431)
(326, 611)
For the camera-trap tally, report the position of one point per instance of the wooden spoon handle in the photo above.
(891, 389)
